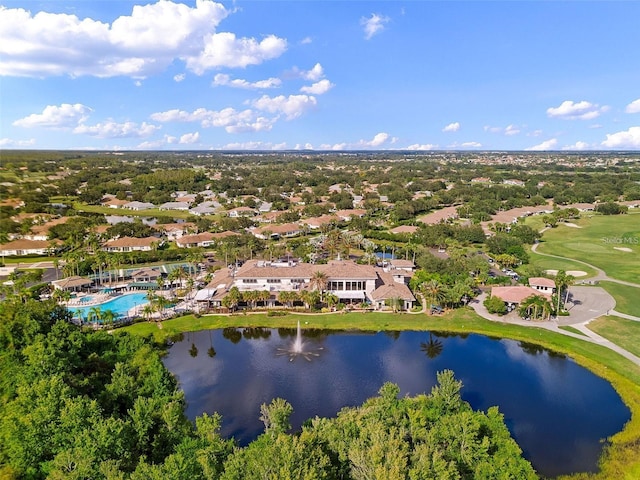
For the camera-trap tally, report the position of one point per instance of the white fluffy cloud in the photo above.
(378, 140)
(452, 127)
(225, 50)
(254, 146)
(511, 130)
(54, 116)
(625, 139)
(569, 110)
(546, 145)
(189, 138)
(291, 107)
(145, 42)
(373, 25)
(318, 88)
(111, 129)
(471, 145)
(9, 142)
(633, 107)
(222, 79)
(577, 146)
(424, 146)
(231, 120)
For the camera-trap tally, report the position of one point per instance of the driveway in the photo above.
(585, 303)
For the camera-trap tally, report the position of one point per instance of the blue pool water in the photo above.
(120, 305)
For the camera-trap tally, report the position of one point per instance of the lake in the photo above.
(556, 410)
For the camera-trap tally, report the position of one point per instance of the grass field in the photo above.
(599, 242)
(620, 331)
(627, 298)
(547, 263)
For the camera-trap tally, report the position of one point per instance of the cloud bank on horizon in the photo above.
(422, 76)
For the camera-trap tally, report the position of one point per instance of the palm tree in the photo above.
(563, 281)
(318, 282)
(432, 290)
(147, 311)
(235, 296)
(536, 307)
(331, 299)
(109, 317)
(432, 348)
(95, 315)
(62, 296)
(263, 296)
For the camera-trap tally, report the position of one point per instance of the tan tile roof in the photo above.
(515, 294)
(24, 244)
(393, 290)
(131, 242)
(542, 282)
(404, 229)
(197, 238)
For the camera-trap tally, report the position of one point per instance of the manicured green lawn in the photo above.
(620, 331)
(548, 263)
(571, 329)
(599, 242)
(627, 298)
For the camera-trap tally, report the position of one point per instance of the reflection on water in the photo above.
(556, 410)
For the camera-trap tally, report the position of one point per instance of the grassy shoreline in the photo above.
(620, 460)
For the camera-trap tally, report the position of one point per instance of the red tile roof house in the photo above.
(28, 247)
(174, 231)
(544, 285)
(131, 244)
(514, 295)
(204, 239)
(287, 230)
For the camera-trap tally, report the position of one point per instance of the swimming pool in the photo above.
(120, 305)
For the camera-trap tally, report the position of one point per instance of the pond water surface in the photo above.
(557, 411)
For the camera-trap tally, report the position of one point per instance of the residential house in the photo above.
(315, 223)
(131, 244)
(137, 206)
(285, 230)
(241, 212)
(204, 239)
(115, 203)
(347, 215)
(173, 231)
(202, 209)
(174, 206)
(29, 247)
(41, 232)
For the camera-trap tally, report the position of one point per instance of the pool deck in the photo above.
(89, 300)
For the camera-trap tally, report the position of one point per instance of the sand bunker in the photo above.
(573, 273)
(569, 224)
(623, 249)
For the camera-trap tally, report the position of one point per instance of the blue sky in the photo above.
(269, 75)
